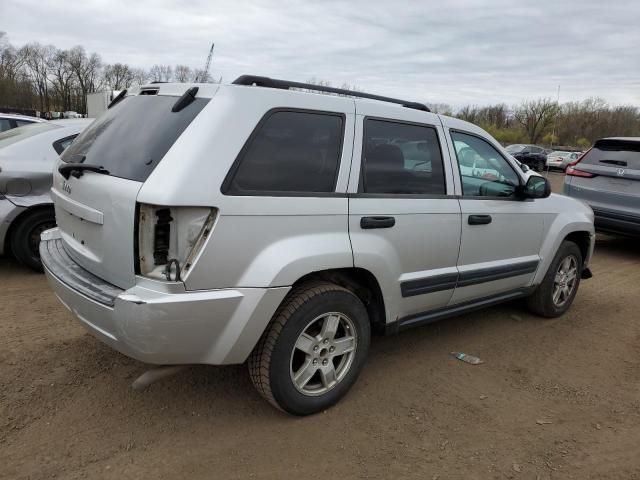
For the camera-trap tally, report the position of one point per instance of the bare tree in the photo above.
(182, 74)
(118, 76)
(139, 76)
(86, 70)
(161, 73)
(200, 76)
(535, 117)
(37, 60)
(61, 77)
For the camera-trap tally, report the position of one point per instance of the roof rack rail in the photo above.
(286, 85)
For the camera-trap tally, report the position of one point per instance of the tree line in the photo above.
(545, 122)
(45, 78)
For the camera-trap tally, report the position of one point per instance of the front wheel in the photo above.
(313, 350)
(555, 294)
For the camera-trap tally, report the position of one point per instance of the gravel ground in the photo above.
(554, 398)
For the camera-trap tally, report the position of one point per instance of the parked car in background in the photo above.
(322, 219)
(9, 121)
(607, 177)
(560, 159)
(533, 156)
(27, 156)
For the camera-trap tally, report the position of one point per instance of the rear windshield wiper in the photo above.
(78, 169)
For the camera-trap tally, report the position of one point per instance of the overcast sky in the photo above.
(456, 52)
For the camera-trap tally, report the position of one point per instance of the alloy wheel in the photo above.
(323, 353)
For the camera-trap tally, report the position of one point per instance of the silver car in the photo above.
(607, 177)
(27, 157)
(219, 224)
(561, 159)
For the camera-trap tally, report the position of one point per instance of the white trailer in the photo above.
(98, 102)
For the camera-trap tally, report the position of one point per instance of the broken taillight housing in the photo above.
(170, 239)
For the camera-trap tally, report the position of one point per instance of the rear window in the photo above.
(289, 152)
(614, 153)
(133, 136)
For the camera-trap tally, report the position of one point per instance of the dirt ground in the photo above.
(554, 399)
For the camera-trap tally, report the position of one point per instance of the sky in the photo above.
(454, 52)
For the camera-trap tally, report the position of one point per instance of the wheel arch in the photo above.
(362, 283)
(581, 238)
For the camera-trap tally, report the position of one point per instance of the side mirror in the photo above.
(524, 167)
(537, 187)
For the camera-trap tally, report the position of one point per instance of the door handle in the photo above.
(377, 222)
(479, 219)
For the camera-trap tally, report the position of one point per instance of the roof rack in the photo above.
(286, 85)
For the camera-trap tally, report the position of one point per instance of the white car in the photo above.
(10, 120)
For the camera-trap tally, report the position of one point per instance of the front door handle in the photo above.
(377, 222)
(479, 219)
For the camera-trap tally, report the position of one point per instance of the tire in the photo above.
(542, 301)
(311, 309)
(26, 237)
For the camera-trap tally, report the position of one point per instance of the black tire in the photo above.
(26, 237)
(270, 363)
(541, 302)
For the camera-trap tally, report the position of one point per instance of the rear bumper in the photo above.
(557, 163)
(161, 323)
(616, 222)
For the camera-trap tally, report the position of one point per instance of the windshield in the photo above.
(17, 134)
(131, 138)
(515, 148)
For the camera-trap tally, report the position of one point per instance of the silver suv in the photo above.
(607, 178)
(252, 222)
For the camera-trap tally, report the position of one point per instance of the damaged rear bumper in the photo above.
(157, 322)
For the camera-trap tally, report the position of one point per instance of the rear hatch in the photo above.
(96, 211)
(608, 176)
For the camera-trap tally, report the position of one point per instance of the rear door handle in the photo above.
(377, 222)
(479, 219)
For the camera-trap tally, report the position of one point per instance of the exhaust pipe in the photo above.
(155, 374)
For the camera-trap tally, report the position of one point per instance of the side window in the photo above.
(401, 158)
(22, 123)
(60, 145)
(483, 170)
(4, 125)
(290, 151)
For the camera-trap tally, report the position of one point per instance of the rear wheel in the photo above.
(555, 294)
(25, 240)
(313, 350)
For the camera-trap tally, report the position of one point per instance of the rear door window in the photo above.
(290, 151)
(400, 158)
(133, 136)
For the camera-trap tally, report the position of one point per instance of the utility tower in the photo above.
(207, 65)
